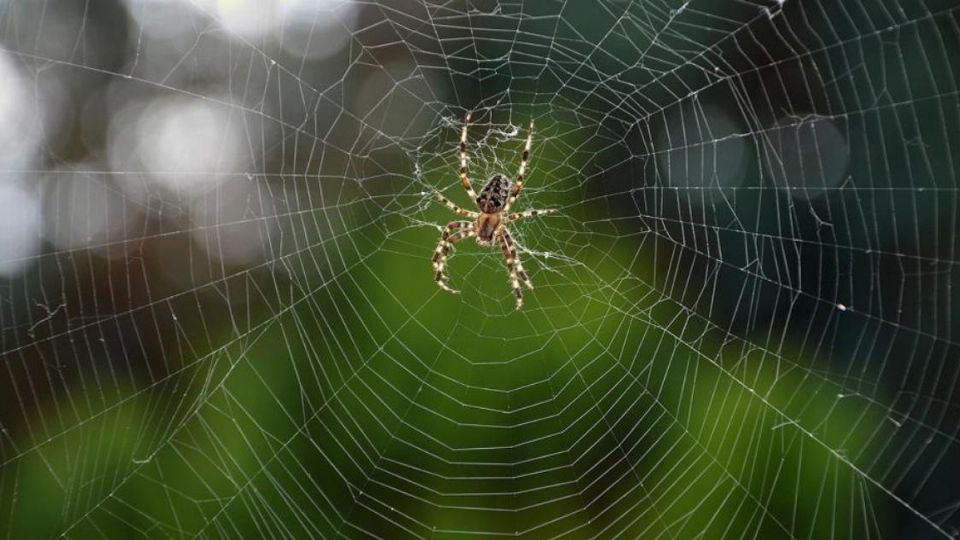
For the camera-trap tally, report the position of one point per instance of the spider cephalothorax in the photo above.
(489, 224)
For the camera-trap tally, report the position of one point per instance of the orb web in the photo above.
(219, 318)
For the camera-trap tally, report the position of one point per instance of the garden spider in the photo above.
(490, 223)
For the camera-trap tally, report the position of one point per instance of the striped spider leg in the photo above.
(526, 214)
(452, 233)
(456, 209)
(524, 159)
(464, 179)
(514, 266)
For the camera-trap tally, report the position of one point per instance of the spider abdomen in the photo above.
(493, 196)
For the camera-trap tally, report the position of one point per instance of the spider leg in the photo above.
(516, 216)
(452, 233)
(453, 206)
(518, 185)
(518, 264)
(514, 268)
(464, 179)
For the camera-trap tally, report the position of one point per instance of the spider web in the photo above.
(218, 317)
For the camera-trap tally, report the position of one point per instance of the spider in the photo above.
(489, 224)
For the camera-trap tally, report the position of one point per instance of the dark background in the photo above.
(217, 316)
